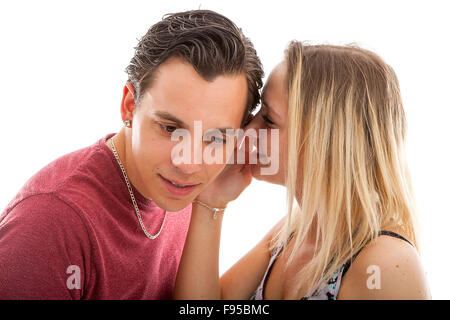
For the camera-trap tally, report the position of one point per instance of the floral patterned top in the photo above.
(331, 290)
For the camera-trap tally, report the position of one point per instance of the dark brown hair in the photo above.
(208, 41)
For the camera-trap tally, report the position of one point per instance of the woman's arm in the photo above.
(198, 273)
(242, 279)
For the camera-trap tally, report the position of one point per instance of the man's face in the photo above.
(177, 97)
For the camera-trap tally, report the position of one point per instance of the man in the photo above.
(109, 221)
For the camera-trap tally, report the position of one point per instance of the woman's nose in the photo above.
(249, 119)
(252, 123)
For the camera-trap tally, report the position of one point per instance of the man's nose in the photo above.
(193, 164)
(189, 169)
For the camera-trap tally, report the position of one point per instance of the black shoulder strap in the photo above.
(381, 233)
(393, 234)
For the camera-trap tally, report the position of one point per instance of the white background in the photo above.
(62, 73)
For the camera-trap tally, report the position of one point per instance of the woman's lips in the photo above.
(181, 189)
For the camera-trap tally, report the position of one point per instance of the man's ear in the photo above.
(127, 106)
(130, 87)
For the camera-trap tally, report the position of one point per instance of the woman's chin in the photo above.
(254, 168)
(256, 173)
(270, 178)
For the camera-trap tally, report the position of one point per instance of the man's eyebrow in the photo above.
(168, 116)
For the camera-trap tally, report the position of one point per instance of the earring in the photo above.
(127, 123)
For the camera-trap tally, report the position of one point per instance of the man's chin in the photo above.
(173, 205)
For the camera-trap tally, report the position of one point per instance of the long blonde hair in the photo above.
(347, 122)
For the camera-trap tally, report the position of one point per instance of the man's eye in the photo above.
(168, 128)
(218, 139)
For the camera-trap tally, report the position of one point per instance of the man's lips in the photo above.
(179, 183)
(177, 188)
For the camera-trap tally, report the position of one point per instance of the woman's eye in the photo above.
(267, 119)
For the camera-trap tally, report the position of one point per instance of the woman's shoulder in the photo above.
(388, 267)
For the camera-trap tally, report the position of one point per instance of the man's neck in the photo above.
(120, 146)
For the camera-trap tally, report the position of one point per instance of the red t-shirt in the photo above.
(72, 233)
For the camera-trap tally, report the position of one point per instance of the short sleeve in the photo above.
(44, 250)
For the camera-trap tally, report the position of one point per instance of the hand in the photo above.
(234, 178)
(228, 185)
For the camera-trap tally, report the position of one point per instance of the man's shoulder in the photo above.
(63, 176)
(46, 211)
(41, 236)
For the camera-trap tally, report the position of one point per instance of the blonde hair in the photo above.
(347, 122)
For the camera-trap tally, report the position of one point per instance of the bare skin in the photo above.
(198, 278)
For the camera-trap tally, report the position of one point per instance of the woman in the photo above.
(349, 232)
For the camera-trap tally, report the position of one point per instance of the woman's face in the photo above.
(273, 116)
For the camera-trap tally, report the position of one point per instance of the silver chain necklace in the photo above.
(130, 190)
